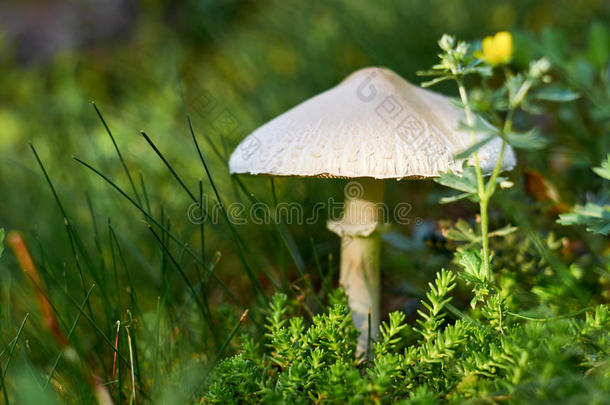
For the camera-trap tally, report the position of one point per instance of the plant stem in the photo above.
(486, 191)
(483, 205)
(482, 190)
(470, 122)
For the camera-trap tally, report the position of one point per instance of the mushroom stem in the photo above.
(360, 234)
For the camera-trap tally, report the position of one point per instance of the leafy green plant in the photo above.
(520, 90)
(490, 359)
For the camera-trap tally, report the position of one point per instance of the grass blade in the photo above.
(118, 151)
(256, 284)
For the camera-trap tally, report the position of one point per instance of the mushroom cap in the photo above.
(373, 124)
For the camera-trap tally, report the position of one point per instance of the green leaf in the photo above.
(478, 66)
(480, 126)
(435, 81)
(594, 216)
(555, 93)
(461, 232)
(604, 169)
(473, 273)
(466, 183)
(532, 108)
(485, 71)
(526, 140)
(475, 147)
(472, 264)
(1, 241)
(457, 197)
(506, 230)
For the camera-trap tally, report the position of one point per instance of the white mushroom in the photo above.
(373, 125)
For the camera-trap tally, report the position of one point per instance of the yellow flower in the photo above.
(497, 49)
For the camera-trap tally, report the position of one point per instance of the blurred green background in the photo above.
(233, 65)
